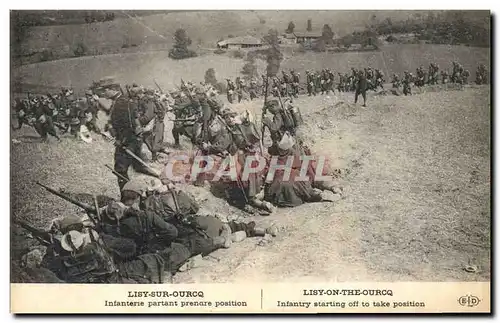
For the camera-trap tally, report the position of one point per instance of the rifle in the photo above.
(96, 205)
(264, 113)
(44, 237)
(89, 209)
(159, 88)
(285, 110)
(116, 174)
(186, 90)
(153, 171)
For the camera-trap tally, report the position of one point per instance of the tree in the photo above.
(291, 27)
(249, 70)
(180, 49)
(309, 25)
(210, 77)
(274, 55)
(327, 34)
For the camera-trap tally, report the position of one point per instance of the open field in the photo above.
(416, 171)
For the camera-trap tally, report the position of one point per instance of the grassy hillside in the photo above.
(205, 28)
(144, 67)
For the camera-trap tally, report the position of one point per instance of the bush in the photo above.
(249, 70)
(238, 54)
(180, 53)
(46, 55)
(210, 77)
(219, 51)
(221, 87)
(391, 39)
(80, 49)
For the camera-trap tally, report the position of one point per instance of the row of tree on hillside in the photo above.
(450, 27)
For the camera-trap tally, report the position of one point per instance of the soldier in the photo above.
(317, 81)
(420, 77)
(379, 79)
(240, 88)
(286, 83)
(310, 83)
(126, 125)
(231, 88)
(264, 84)
(182, 109)
(407, 83)
(253, 89)
(433, 73)
(370, 78)
(331, 78)
(126, 219)
(481, 75)
(246, 140)
(396, 82)
(22, 110)
(340, 85)
(43, 115)
(152, 109)
(181, 208)
(206, 102)
(327, 81)
(294, 83)
(361, 87)
(444, 77)
(353, 79)
(277, 125)
(91, 112)
(465, 77)
(284, 192)
(84, 257)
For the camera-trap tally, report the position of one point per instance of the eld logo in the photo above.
(469, 300)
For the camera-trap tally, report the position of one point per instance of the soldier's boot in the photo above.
(264, 205)
(329, 186)
(222, 242)
(176, 136)
(260, 232)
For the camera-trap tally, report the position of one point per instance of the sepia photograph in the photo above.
(191, 147)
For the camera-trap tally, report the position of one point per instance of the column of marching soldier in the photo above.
(76, 115)
(155, 229)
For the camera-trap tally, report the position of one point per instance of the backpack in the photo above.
(92, 264)
(288, 122)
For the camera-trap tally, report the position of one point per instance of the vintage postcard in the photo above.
(250, 161)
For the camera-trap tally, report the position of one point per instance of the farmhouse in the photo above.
(288, 38)
(240, 42)
(307, 37)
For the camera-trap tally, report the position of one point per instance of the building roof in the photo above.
(308, 34)
(242, 40)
